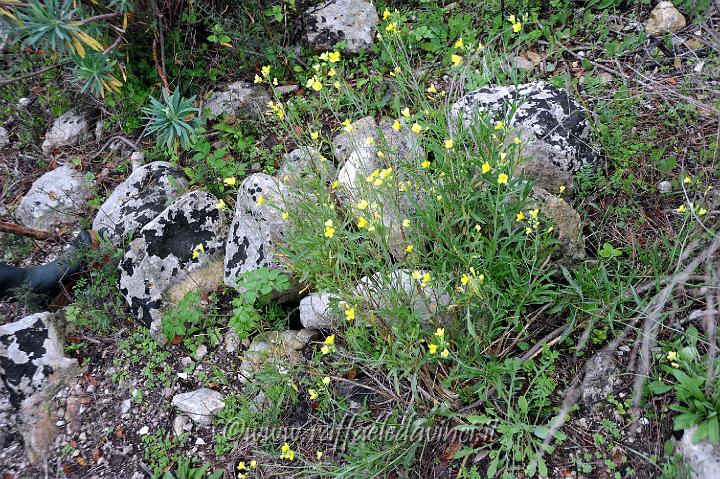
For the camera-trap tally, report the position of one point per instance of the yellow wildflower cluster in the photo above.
(277, 108)
(471, 280)
(244, 469)
(287, 453)
(265, 71)
(373, 213)
(197, 251)
(314, 84)
(379, 176)
(697, 209)
(516, 25)
(329, 229)
(230, 181)
(328, 345)
(424, 278)
(439, 337)
(533, 221)
(220, 205)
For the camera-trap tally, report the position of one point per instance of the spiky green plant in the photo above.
(52, 25)
(173, 120)
(94, 71)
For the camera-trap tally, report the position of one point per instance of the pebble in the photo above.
(199, 442)
(186, 361)
(143, 431)
(125, 406)
(664, 186)
(201, 352)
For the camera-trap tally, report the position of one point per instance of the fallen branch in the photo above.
(35, 73)
(17, 229)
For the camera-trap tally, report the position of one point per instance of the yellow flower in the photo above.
(416, 274)
(397, 125)
(362, 222)
(485, 167)
(253, 464)
(314, 135)
(464, 279)
(517, 27)
(313, 394)
(409, 248)
(197, 250)
(520, 216)
(499, 125)
(432, 89)
(456, 60)
(350, 314)
(330, 340)
(478, 228)
(503, 155)
(681, 208)
(440, 332)
(405, 112)
(672, 356)
(380, 154)
(371, 229)
(502, 179)
(416, 128)
(258, 79)
(406, 223)
(702, 212)
(458, 43)
(347, 126)
(432, 348)
(363, 204)
(449, 144)
(230, 181)
(528, 230)
(445, 353)
(260, 200)
(325, 350)
(333, 57)
(480, 47)
(337, 85)
(220, 205)
(315, 84)
(265, 71)
(286, 452)
(386, 172)
(334, 184)
(386, 14)
(687, 180)
(329, 229)
(391, 27)
(285, 215)
(275, 81)
(425, 279)
(425, 164)
(516, 140)
(319, 454)
(326, 380)
(534, 213)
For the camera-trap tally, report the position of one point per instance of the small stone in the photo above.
(70, 128)
(664, 18)
(231, 341)
(143, 431)
(24, 102)
(600, 374)
(125, 406)
(72, 412)
(4, 137)
(199, 442)
(179, 424)
(523, 63)
(201, 352)
(200, 405)
(240, 99)
(82, 437)
(664, 186)
(315, 312)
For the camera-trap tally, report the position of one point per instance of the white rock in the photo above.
(57, 198)
(201, 352)
(664, 18)
(352, 21)
(4, 137)
(70, 128)
(703, 457)
(664, 186)
(316, 313)
(143, 431)
(238, 99)
(180, 423)
(200, 405)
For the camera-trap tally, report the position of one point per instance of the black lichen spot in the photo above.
(238, 259)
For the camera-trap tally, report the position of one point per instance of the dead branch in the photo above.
(17, 229)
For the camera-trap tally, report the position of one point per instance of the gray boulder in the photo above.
(552, 126)
(257, 226)
(703, 458)
(305, 164)
(58, 198)
(566, 223)
(334, 21)
(200, 405)
(70, 128)
(139, 199)
(177, 252)
(33, 368)
(279, 348)
(239, 99)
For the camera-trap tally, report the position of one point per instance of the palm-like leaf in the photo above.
(173, 120)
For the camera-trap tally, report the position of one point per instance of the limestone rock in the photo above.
(334, 21)
(600, 374)
(257, 226)
(4, 137)
(316, 311)
(566, 223)
(279, 348)
(386, 293)
(56, 199)
(33, 367)
(70, 128)
(139, 199)
(664, 18)
(179, 249)
(703, 457)
(200, 405)
(305, 163)
(239, 99)
(552, 126)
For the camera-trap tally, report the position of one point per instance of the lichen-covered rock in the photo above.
(404, 288)
(599, 377)
(566, 223)
(351, 21)
(239, 99)
(280, 348)
(33, 367)
(174, 248)
(139, 199)
(70, 128)
(200, 405)
(316, 311)
(664, 18)
(354, 138)
(257, 226)
(57, 198)
(552, 126)
(304, 164)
